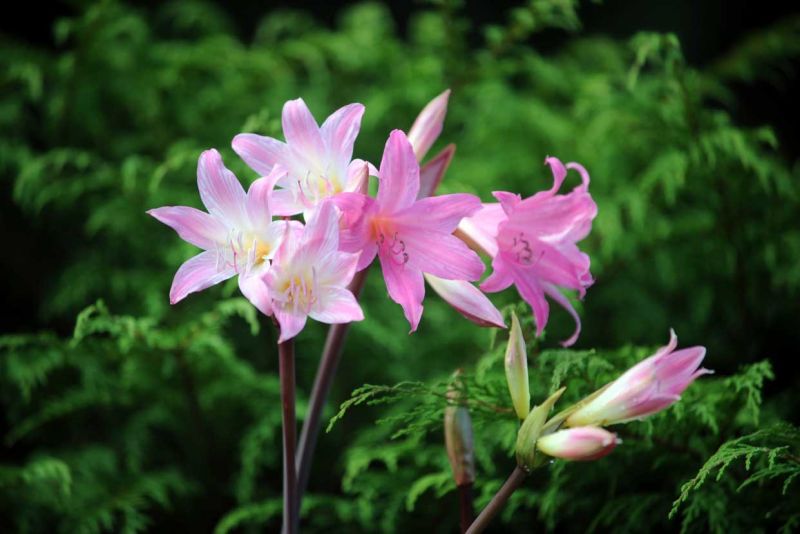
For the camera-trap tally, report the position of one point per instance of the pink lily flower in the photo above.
(533, 243)
(467, 299)
(318, 159)
(309, 277)
(646, 388)
(237, 234)
(409, 236)
(578, 444)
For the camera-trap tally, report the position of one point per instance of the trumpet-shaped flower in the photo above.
(318, 159)
(533, 243)
(309, 277)
(646, 388)
(409, 236)
(237, 234)
(581, 444)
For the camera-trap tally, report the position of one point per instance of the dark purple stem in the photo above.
(466, 506)
(498, 501)
(290, 495)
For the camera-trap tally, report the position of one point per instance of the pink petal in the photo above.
(256, 291)
(220, 191)
(559, 173)
(321, 235)
(339, 131)
(479, 231)
(399, 174)
(354, 230)
(196, 274)
(258, 198)
(406, 287)
(358, 176)
(532, 292)
(583, 172)
(556, 295)
(194, 226)
(440, 214)
(290, 323)
(440, 254)
(337, 305)
(553, 218)
(468, 300)
(301, 131)
(367, 255)
(336, 268)
(428, 125)
(431, 174)
(284, 203)
(499, 280)
(260, 153)
(508, 201)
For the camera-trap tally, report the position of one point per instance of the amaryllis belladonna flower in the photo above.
(409, 236)
(533, 243)
(646, 388)
(467, 299)
(309, 277)
(237, 234)
(318, 159)
(581, 444)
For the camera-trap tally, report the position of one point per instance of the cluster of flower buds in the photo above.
(576, 433)
(301, 268)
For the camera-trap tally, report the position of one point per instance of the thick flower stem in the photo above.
(466, 506)
(498, 501)
(290, 495)
(331, 355)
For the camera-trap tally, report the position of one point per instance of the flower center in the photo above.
(522, 250)
(315, 187)
(243, 251)
(298, 292)
(389, 242)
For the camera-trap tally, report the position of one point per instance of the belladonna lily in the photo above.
(309, 277)
(237, 234)
(462, 295)
(533, 243)
(582, 444)
(648, 387)
(409, 236)
(318, 159)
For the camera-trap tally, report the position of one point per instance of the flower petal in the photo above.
(431, 174)
(196, 274)
(260, 153)
(428, 125)
(258, 198)
(285, 203)
(406, 287)
(479, 230)
(321, 235)
(192, 225)
(290, 323)
(556, 295)
(468, 300)
(220, 191)
(339, 131)
(399, 174)
(440, 214)
(256, 291)
(336, 305)
(440, 254)
(301, 131)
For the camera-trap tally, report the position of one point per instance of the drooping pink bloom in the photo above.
(318, 159)
(409, 236)
(237, 234)
(578, 444)
(646, 388)
(533, 243)
(309, 277)
(467, 299)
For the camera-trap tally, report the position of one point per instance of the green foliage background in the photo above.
(156, 417)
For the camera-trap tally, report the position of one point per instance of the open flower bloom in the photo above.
(581, 444)
(409, 236)
(237, 234)
(318, 159)
(309, 277)
(533, 243)
(646, 388)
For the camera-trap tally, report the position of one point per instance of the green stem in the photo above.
(498, 501)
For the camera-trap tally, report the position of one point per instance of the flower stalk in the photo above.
(498, 501)
(287, 379)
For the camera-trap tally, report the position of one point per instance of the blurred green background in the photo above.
(138, 415)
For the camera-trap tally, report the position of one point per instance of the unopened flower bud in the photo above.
(458, 438)
(646, 388)
(516, 362)
(531, 429)
(428, 125)
(581, 444)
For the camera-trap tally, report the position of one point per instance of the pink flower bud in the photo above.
(646, 388)
(458, 439)
(516, 362)
(582, 444)
(428, 126)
